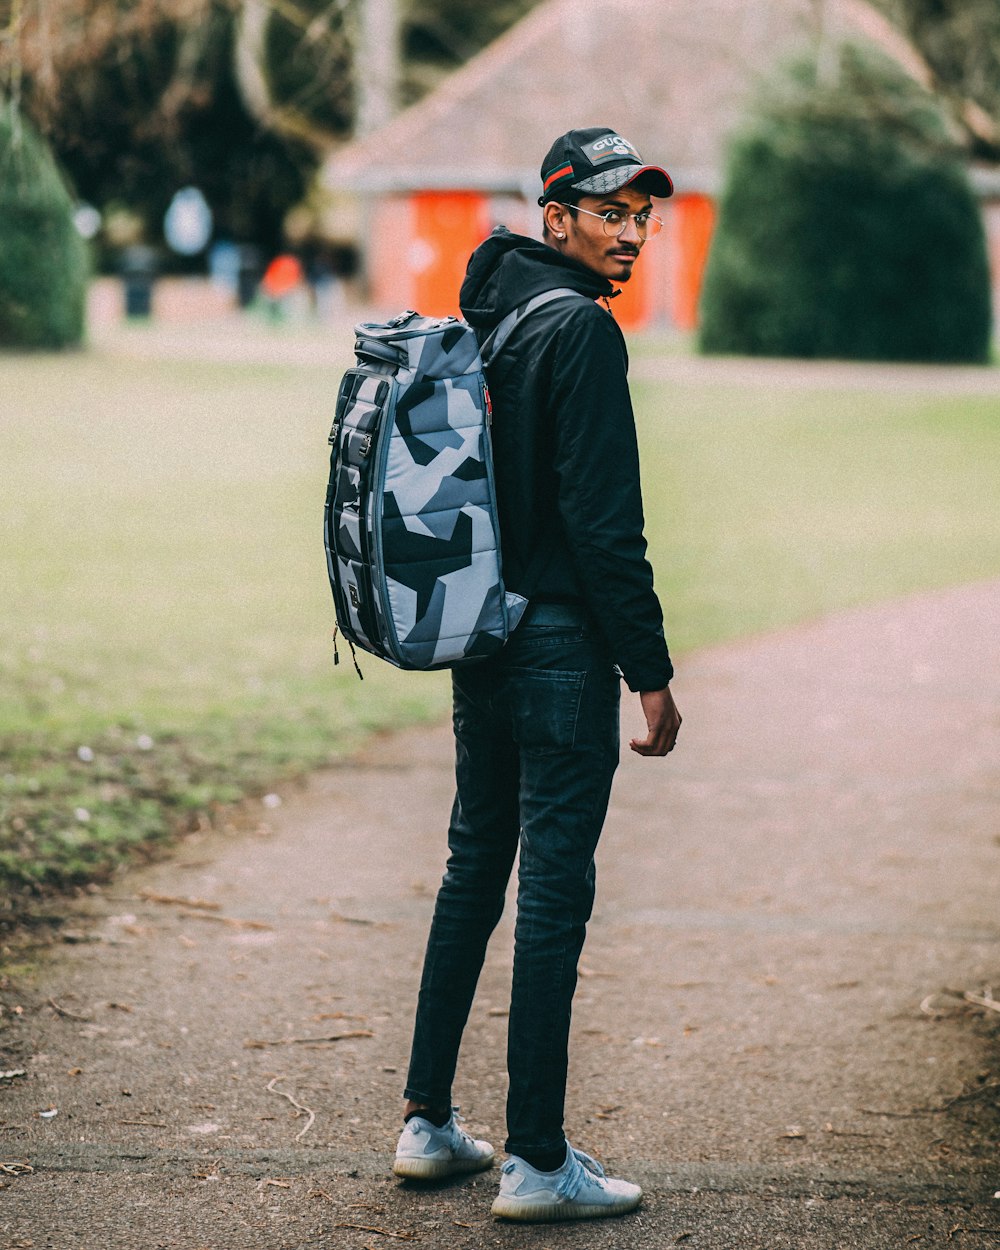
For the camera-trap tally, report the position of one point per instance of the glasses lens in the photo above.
(647, 225)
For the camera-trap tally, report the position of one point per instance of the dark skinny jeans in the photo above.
(537, 739)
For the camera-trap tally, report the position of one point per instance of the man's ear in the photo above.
(554, 216)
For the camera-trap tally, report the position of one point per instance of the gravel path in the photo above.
(763, 1036)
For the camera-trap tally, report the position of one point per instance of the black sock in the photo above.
(546, 1160)
(433, 1115)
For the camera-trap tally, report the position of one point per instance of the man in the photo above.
(536, 727)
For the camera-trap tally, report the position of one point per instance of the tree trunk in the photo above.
(250, 72)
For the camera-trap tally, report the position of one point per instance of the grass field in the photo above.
(165, 644)
(767, 506)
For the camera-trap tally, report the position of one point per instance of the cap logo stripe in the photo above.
(564, 171)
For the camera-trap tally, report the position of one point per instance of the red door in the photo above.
(447, 227)
(693, 222)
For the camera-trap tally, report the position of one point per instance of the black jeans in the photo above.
(537, 739)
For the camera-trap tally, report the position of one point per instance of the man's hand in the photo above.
(662, 720)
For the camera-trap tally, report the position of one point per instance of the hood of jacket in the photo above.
(510, 268)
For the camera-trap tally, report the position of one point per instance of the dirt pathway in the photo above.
(775, 904)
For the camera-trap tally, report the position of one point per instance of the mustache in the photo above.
(630, 248)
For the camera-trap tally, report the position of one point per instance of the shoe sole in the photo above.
(434, 1169)
(548, 1212)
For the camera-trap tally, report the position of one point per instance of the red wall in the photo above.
(420, 244)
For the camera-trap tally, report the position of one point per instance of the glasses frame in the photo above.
(641, 230)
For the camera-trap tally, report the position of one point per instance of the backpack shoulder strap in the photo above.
(489, 351)
(492, 346)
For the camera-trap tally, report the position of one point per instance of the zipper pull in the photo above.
(489, 405)
(336, 653)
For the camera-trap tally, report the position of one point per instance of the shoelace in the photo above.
(459, 1135)
(583, 1171)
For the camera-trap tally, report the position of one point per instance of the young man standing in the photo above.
(536, 727)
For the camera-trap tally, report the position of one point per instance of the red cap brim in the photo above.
(661, 184)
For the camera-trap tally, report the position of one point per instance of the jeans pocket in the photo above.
(545, 707)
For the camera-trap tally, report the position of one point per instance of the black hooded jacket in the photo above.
(564, 449)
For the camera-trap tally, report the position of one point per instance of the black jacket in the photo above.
(564, 447)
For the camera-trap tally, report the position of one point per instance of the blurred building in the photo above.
(676, 76)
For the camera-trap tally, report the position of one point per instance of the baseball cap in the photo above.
(597, 161)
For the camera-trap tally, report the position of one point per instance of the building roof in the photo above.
(676, 75)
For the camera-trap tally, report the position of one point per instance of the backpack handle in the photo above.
(377, 352)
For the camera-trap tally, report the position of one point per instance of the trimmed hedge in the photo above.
(848, 228)
(44, 264)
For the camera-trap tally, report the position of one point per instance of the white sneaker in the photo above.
(579, 1190)
(426, 1152)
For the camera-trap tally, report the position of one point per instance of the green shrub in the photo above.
(847, 228)
(43, 260)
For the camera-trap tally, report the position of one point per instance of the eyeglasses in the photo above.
(647, 225)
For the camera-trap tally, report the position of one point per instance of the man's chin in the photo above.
(621, 269)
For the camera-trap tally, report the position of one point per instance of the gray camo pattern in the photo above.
(412, 540)
(412, 543)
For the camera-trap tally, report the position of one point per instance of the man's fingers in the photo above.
(663, 722)
(655, 744)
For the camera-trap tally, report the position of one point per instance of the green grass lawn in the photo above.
(165, 646)
(768, 506)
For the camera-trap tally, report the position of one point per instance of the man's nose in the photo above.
(631, 234)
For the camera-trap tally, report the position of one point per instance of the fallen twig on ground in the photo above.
(233, 921)
(16, 1169)
(968, 1095)
(963, 998)
(262, 1043)
(928, 1008)
(382, 1232)
(174, 900)
(67, 1014)
(900, 1115)
(991, 1087)
(982, 1000)
(299, 1108)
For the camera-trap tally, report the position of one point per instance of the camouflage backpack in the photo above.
(411, 533)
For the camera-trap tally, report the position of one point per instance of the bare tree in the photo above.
(46, 44)
(244, 97)
(959, 44)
